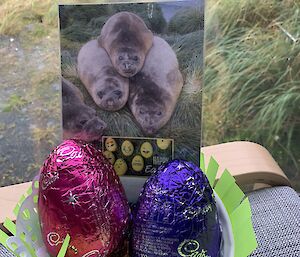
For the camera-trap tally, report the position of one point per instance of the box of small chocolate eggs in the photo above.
(137, 156)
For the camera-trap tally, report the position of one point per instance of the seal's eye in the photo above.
(159, 113)
(135, 58)
(118, 93)
(121, 58)
(100, 94)
(82, 122)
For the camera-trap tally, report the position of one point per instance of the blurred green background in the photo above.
(252, 80)
(252, 77)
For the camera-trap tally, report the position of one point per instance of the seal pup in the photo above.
(155, 89)
(108, 89)
(79, 120)
(127, 41)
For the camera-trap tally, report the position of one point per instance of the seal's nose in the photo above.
(110, 102)
(127, 65)
(148, 119)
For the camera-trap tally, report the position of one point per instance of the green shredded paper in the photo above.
(237, 206)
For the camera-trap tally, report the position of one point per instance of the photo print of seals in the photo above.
(79, 120)
(127, 41)
(108, 88)
(155, 89)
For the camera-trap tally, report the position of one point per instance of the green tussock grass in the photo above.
(247, 14)
(81, 23)
(252, 76)
(188, 50)
(186, 21)
(14, 15)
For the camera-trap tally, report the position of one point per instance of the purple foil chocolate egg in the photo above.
(176, 215)
(81, 195)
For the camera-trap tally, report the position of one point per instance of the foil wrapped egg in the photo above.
(176, 214)
(81, 195)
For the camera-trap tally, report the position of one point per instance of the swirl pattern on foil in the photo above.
(53, 239)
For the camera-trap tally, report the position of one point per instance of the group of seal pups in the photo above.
(128, 64)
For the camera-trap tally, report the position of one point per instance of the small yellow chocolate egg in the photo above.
(137, 163)
(120, 167)
(110, 156)
(146, 150)
(111, 144)
(127, 148)
(162, 143)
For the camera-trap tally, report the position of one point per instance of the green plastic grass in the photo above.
(237, 206)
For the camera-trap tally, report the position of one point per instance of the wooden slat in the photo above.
(9, 197)
(248, 162)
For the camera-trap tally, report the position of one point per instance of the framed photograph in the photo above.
(132, 73)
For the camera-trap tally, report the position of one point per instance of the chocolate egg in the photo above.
(176, 214)
(81, 195)
(111, 144)
(110, 156)
(120, 167)
(127, 148)
(146, 150)
(163, 143)
(137, 163)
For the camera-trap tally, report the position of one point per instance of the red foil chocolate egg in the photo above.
(81, 195)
